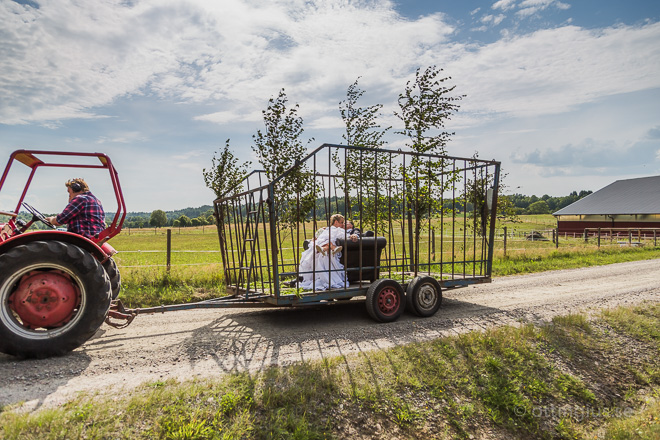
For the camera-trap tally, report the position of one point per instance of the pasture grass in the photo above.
(196, 270)
(576, 377)
(542, 260)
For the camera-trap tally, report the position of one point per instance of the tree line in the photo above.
(542, 205)
(183, 218)
(190, 217)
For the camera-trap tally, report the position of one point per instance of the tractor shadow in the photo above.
(31, 381)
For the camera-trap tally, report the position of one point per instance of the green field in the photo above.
(196, 264)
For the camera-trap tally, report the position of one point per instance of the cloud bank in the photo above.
(69, 59)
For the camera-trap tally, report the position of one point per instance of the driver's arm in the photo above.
(70, 211)
(53, 220)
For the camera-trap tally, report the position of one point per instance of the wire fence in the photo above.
(507, 241)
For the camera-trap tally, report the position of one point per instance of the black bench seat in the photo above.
(362, 256)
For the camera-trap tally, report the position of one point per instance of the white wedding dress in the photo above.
(323, 272)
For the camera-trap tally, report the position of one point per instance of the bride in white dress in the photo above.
(321, 269)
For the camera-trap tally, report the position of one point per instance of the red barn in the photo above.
(630, 203)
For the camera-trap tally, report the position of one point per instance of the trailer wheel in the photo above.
(53, 298)
(424, 296)
(385, 300)
(115, 277)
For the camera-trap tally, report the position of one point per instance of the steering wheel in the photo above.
(39, 216)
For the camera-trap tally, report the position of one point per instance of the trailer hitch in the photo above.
(119, 312)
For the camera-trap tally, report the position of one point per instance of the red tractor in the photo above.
(56, 287)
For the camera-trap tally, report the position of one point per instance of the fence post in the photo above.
(433, 241)
(598, 238)
(505, 235)
(557, 239)
(629, 238)
(169, 248)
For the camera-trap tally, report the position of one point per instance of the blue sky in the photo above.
(566, 94)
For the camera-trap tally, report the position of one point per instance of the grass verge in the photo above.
(541, 261)
(573, 378)
(151, 287)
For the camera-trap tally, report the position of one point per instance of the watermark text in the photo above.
(573, 412)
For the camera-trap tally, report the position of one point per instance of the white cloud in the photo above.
(66, 60)
(505, 5)
(493, 19)
(552, 71)
(230, 116)
(188, 154)
(531, 7)
(122, 138)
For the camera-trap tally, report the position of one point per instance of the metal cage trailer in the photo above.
(428, 224)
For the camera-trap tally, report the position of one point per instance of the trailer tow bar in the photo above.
(118, 311)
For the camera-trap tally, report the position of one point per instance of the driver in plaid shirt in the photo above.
(84, 214)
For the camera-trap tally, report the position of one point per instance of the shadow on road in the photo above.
(29, 380)
(254, 340)
(248, 340)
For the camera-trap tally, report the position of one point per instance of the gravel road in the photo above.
(204, 343)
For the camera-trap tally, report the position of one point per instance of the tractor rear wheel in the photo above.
(115, 277)
(53, 297)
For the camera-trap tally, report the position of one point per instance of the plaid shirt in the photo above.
(83, 215)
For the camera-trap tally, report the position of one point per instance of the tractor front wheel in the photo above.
(53, 297)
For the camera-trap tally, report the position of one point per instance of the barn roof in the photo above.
(630, 196)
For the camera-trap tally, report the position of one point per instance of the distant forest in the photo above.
(517, 203)
(182, 217)
(545, 204)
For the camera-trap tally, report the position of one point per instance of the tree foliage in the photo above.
(424, 107)
(362, 128)
(522, 203)
(158, 219)
(184, 221)
(540, 207)
(225, 174)
(360, 170)
(279, 150)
